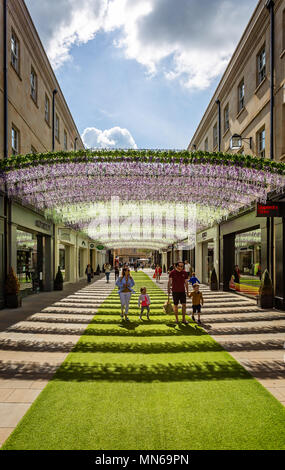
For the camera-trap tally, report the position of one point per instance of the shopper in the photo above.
(197, 301)
(157, 273)
(116, 271)
(89, 272)
(179, 286)
(144, 302)
(188, 268)
(125, 283)
(194, 280)
(107, 269)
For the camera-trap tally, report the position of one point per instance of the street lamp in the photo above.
(236, 141)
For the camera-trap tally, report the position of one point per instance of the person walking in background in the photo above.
(157, 273)
(144, 302)
(107, 269)
(188, 268)
(89, 272)
(193, 279)
(125, 283)
(197, 301)
(179, 286)
(116, 271)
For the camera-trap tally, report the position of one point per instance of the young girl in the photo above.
(144, 302)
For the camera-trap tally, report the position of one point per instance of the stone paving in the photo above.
(33, 348)
(35, 341)
(254, 337)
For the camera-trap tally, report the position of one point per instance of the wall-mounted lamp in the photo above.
(236, 141)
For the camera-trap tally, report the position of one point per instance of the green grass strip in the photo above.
(150, 385)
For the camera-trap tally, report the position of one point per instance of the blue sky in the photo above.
(140, 73)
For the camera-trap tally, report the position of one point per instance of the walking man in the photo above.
(179, 286)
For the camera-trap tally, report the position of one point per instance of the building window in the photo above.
(241, 96)
(206, 145)
(215, 136)
(15, 52)
(65, 139)
(261, 65)
(47, 108)
(15, 140)
(261, 143)
(226, 118)
(57, 127)
(34, 85)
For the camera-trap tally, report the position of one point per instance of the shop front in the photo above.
(32, 250)
(247, 272)
(207, 254)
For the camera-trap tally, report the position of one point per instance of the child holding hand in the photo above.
(197, 301)
(144, 302)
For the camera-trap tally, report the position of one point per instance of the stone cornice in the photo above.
(22, 20)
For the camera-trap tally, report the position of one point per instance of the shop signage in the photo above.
(204, 235)
(270, 209)
(100, 247)
(43, 225)
(92, 245)
(83, 243)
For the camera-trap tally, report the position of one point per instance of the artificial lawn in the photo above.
(150, 385)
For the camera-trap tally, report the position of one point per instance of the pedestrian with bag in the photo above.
(179, 286)
(125, 283)
(157, 273)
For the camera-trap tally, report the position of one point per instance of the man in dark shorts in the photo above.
(179, 285)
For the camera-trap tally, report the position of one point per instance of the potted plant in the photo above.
(58, 283)
(98, 270)
(213, 280)
(266, 295)
(164, 268)
(12, 290)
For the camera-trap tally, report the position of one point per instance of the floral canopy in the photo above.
(148, 198)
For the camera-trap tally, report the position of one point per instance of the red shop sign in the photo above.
(270, 209)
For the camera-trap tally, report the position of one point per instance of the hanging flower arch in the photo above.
(68, 186)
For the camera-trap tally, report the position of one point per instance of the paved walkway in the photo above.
(35, 340)
(254, 337)
(33, 345)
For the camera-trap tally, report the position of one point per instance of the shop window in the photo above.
(246, 274)
(26, 260)
(62, 260)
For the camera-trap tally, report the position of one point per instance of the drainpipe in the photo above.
(270, 7)
(7, 208)
(219, 124)
(53, 118)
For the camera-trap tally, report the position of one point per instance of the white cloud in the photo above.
(189, 40)
(116, 137)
